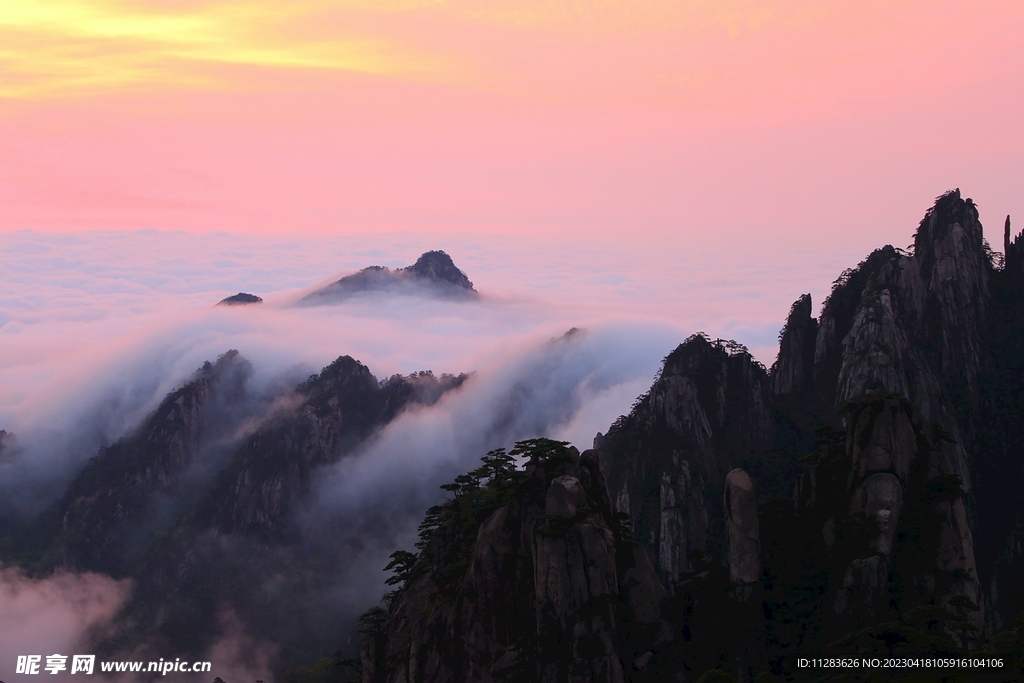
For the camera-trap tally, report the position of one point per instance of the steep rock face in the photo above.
(338, 409)
(892, 404)
(917, 329)
(741, 527)
(708, 412)
(714, 614)
(836, 321)
(793, 372)
(911, 324)
(120, 488)
(553, 592)
(931, 327)
(195, 505)
(905, 521)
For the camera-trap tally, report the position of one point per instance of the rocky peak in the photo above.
(437, 266)
(1013, 252)
(433, 274)
(837, 318)
(343, 372)
(918, 326)
(793, 372)
(950, 216)
(338, 409)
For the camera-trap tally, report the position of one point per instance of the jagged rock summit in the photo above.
(240, 299)
(434, 274)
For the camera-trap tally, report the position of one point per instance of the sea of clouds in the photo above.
(95, 328)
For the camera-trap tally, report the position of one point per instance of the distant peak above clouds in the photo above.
(434, 274)
(438, 266)
(240, 299)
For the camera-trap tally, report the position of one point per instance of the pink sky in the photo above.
(642, 169)
(698, 163)
(793, 122)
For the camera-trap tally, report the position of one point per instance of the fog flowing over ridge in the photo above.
(371, 502)
(100, 331)
(530, 376)
(96, 329)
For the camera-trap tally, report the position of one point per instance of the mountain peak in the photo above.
(438, 266)
(240, 299)
(949, 210)
(433, 274)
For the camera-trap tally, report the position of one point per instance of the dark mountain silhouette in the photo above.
(864, 496)
(240, 299)
(434, 274)
(196, 505)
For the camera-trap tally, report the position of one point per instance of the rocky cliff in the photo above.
(124, 492)
(909, 325)
(864, 496)
(524, 575)
(878, 509)
(900, 396)
(708, 412)
(197, 505)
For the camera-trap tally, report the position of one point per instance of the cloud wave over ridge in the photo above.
(82, 376)
(97, 329)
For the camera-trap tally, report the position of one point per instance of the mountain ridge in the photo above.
(874, 443)
(433, 274)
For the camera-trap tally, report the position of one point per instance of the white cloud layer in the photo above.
(96, 328)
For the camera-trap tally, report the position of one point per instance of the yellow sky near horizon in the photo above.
(572, 49)
(62, 48)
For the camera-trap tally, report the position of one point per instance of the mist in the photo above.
(97, 331)
(58, 614)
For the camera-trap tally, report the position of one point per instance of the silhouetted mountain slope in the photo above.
(238, 548)
(865, 496)
(524, 575)
(708, 412)
(433, 274)
(197, 505)
(129, 489)
(878, 511)
(339, 409)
